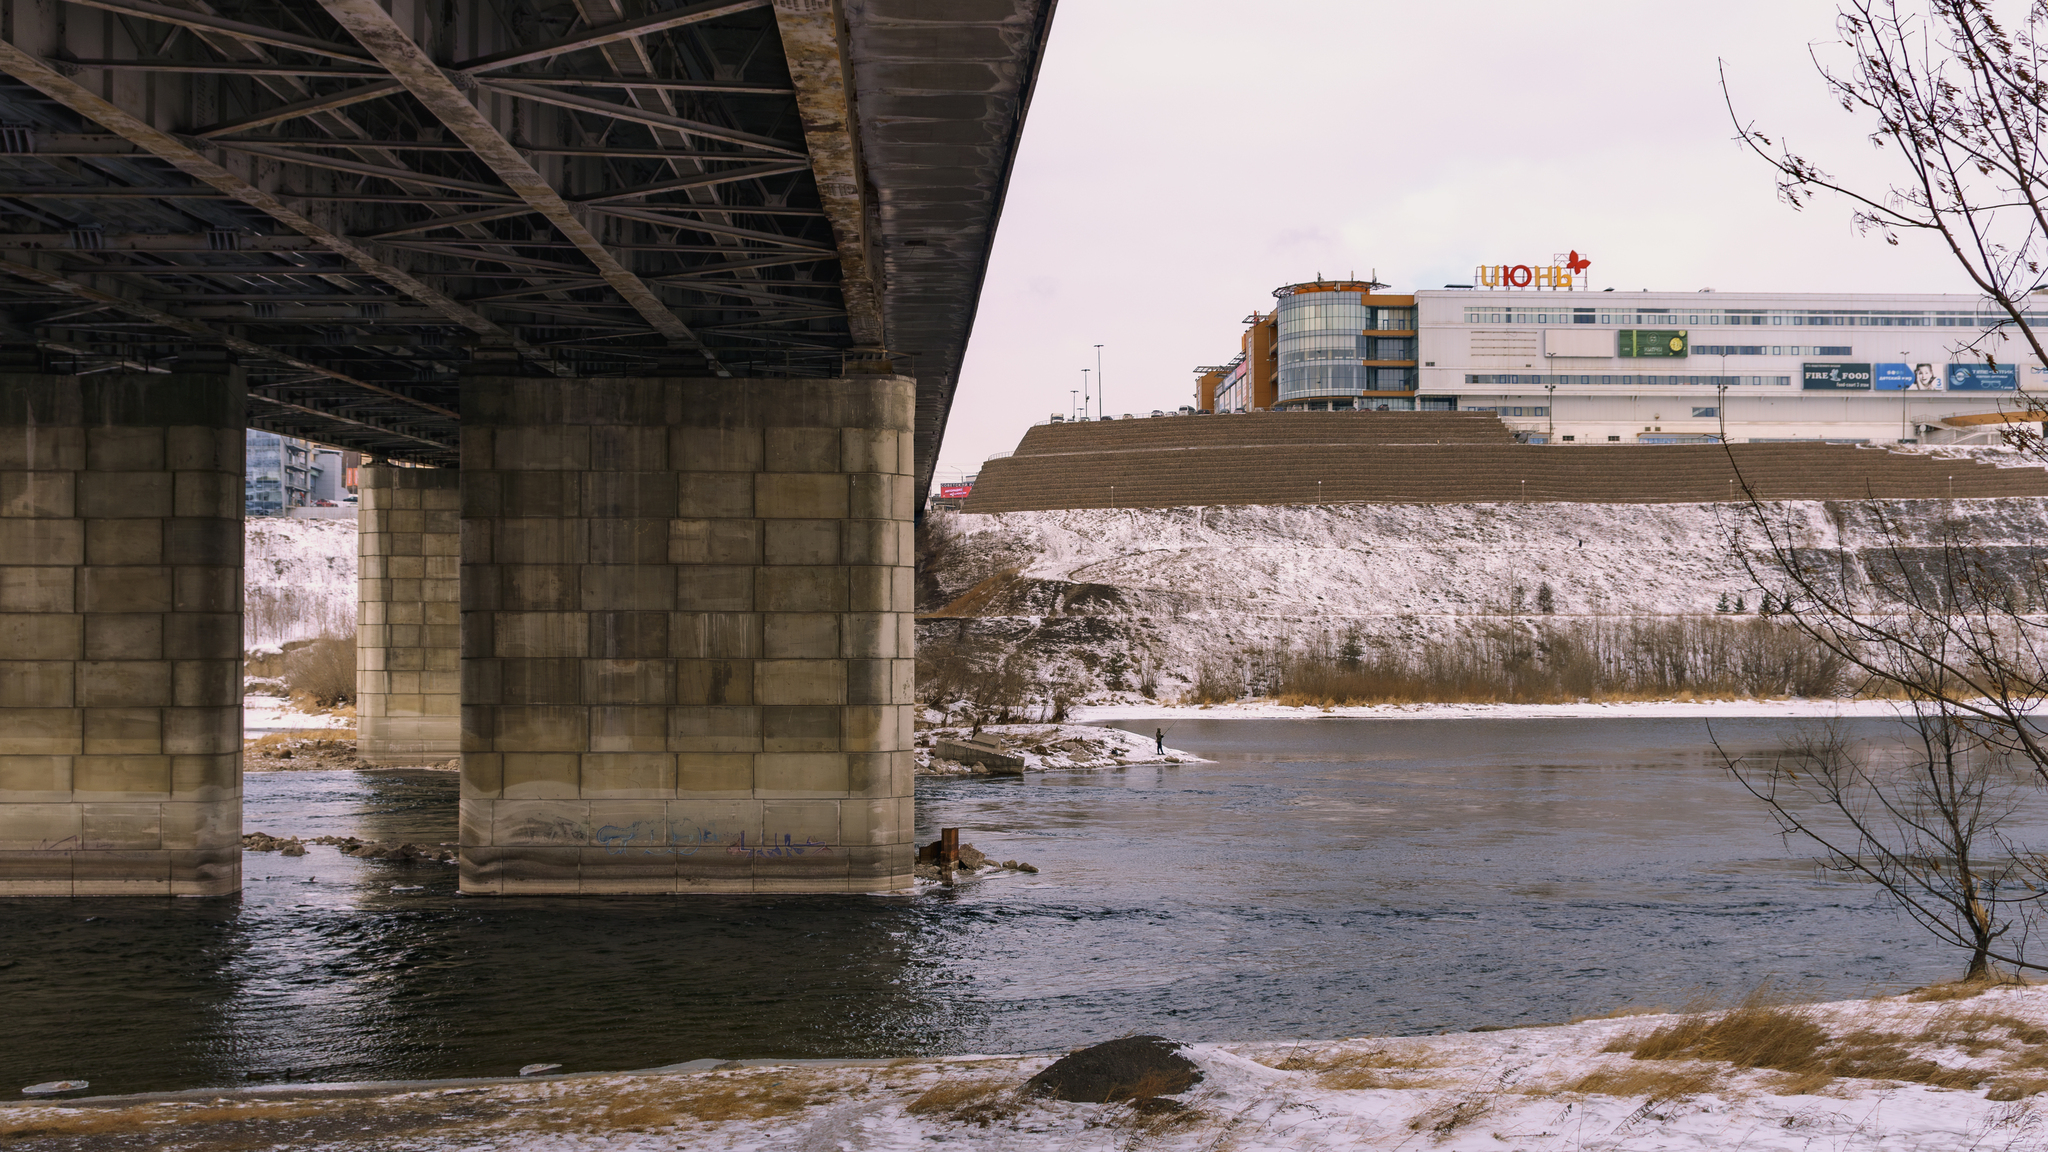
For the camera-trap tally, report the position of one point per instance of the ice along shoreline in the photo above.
(1790, 709)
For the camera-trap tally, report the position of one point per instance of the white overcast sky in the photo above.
(1183, 158)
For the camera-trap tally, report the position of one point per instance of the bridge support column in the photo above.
(686, 635)
(408, 622)
(120, 635)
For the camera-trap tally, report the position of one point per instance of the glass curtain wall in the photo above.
(1323, 348)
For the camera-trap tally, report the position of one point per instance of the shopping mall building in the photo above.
(1574, 366)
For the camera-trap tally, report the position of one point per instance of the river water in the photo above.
(1321, 878)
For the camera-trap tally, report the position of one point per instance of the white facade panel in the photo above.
(1586, 342)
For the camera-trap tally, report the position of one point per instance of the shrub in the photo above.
(322, 670)
(1549, 663)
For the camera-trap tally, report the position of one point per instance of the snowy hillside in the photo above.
(298, 579)
(1170, 588)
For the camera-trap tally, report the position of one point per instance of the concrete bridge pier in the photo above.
(408, 622)
(120, 634)
(686, 635)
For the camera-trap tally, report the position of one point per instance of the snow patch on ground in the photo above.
(298, 579)
(1051, 748)
(1523, 1088)
(1629, 710)
(263, 715)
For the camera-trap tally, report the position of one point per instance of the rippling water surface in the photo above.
(1322, 878)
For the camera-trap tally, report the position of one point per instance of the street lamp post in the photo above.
(1721, 399)
(1905, 391)
(1084, 394)
(1550, 410)
(1100, 407)
(1071, 402)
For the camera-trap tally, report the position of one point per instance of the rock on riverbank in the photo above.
(1049, 748)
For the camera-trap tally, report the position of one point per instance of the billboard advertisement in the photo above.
(1835, 377)
(1982, 378)
(955, 491)
(1651, 342)
(1903, 377)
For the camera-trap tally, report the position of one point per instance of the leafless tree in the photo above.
(1959, 97)
(1954, 632)
(1954, 91)
(1924, 819)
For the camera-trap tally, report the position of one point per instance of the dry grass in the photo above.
(1654, 1083)
(1762, 1035)
(1955, 990)
(1382, 1067)
(322, 671)
(248, 1124)
(770, 1093)
(980, 1101)
(596, 1106)
(1450, 1115)
(1154, 1117)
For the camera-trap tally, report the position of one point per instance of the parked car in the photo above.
(325, 504)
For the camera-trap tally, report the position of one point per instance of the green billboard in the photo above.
(1652, 342)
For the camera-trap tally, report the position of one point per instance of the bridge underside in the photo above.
(373, 225)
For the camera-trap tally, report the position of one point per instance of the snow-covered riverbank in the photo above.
(1634, 709)
(1908, 1072)
(1049, 748)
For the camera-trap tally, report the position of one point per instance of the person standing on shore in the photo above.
(1159, 738)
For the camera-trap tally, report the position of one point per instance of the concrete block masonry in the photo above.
(408, 615)
(686, 635)
(120, 635)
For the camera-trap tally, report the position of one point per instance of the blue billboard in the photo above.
(1982, 378)
(1902, 377)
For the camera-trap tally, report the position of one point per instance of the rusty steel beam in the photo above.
(707, 180)
(310, 107)
(627, 112)
(652, 214)
(204, 22)
(197, 330)
(703, 270)
(396, 175)
(376, 31)
(623, 30)
(440, 222)
(37, 74)
(814, 42)
(227, 68)
(258, 394)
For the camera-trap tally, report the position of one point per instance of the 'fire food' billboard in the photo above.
(955, 491)
(1982, 378)
(1650, 342)
(1835, 377)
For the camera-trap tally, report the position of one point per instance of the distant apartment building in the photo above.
(1572, 366)
(279, 474)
